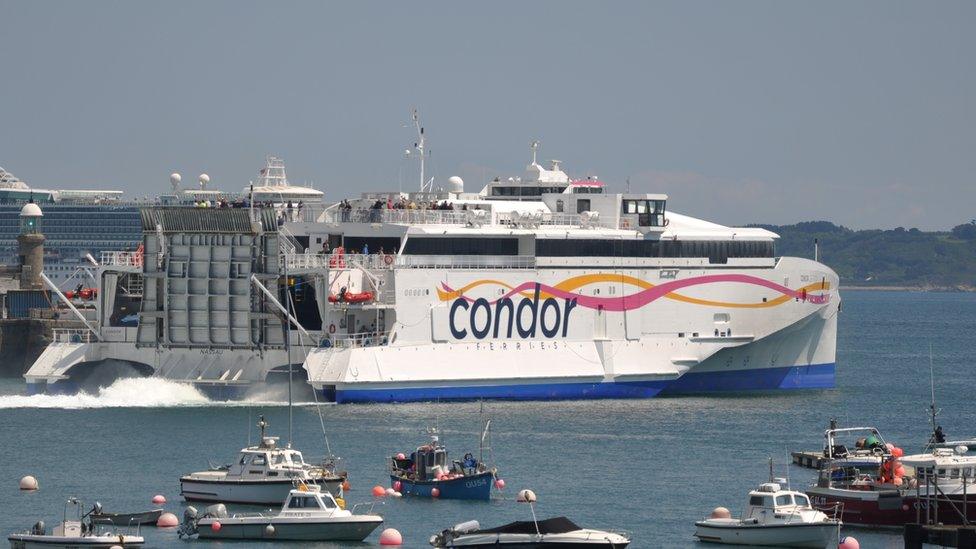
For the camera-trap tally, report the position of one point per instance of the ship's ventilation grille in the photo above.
(205, 220)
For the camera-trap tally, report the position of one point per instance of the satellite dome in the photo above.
(455, 184)
(204, 179)
(31, 210)
(175, 178)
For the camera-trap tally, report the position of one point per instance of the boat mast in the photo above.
(932, 410)
(287, 326)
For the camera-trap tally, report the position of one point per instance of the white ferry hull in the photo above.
(663, 347)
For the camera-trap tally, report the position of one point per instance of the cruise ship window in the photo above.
(582, 205)
(559, 206)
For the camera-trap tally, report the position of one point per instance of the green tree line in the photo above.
(896, 257)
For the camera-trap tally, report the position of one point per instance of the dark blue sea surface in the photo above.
(650, 467)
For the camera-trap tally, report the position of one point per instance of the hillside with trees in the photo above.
(896, 257)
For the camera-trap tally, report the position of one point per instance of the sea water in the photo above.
(649, 467)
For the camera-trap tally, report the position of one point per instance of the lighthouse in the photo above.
(30, 243)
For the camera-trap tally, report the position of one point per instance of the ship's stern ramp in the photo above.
(200, 319)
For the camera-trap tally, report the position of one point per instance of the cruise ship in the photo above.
(541, 286)
(78, 224)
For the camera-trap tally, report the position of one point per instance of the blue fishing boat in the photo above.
(427, 472)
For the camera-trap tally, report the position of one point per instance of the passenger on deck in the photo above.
(939, 435)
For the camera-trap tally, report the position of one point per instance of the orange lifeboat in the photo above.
(349, 297)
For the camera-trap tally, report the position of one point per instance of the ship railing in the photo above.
(369, 262)
(367, 506)
(401, 217)
(71, 335)
(122, 259)
(351, 341)
(548, 219)
(465, 261)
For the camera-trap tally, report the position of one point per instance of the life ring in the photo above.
(388, 259)
(332, 328)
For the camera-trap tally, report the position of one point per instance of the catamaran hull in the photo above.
(355, 528)
(790, 535)
(256, 492)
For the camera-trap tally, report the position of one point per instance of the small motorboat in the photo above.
(553, 532)
(773, 517)
(74, 533)
(124, 519)
(262, 475)
(309, 514)
(427, 472)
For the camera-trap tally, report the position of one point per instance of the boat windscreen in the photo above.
(557, 525)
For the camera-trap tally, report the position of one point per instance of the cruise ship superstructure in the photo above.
(538, 287)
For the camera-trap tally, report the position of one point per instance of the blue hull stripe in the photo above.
(818, 376)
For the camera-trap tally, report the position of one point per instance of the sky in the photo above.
(861, 113)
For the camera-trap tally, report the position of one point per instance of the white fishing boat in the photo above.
(553, 532)
(262, 475)
(773, 517)
(75, 533)
(309, 514)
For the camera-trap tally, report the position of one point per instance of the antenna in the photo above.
(534, 145)
(421, 149)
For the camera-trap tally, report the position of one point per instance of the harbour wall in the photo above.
(22, 340)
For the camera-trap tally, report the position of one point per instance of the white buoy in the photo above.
(167, 520)
(158, 499)
(28, 483)
(526, 496)
(390, 491)
(391, 536)
(269, 530)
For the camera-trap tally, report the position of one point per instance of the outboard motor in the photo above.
(189, 525)
(467, 527)
(38, 529)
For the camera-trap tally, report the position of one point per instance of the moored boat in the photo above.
(262, 475)
(308, 514)
(74, 533)
(125, 519)
(554, 532)
(934, 487)
(773, 517)
(427, 472)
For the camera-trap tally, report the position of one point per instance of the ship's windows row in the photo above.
(461, 246)
(525, 191)
(715, 250)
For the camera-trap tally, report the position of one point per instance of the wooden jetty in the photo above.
(810, 460)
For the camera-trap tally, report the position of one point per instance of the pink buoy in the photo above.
(379, 491)
(390, 491)
(500, 484)
(897, 452)
(158, 499)
(397, 485)
(436, 492)
(167, 520)
(400, 456)
(721, 512)
(905, 507)
(215, 526)
(391, 536)
(848, 542)
(889, 446)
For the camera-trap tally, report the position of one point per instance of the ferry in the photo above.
(542, 286)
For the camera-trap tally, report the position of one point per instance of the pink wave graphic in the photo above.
(639, 299)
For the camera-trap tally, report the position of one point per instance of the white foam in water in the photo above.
(131, 392)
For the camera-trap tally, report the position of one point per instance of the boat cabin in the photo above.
(943, 466)
(267, 460)
(771, 500)
(310, 498)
